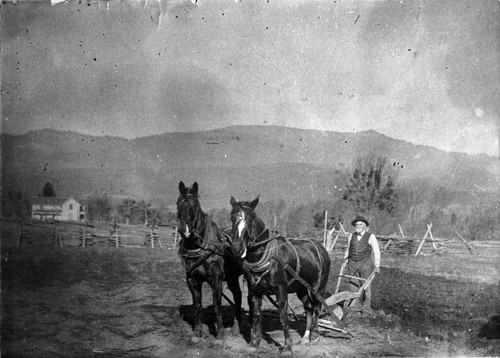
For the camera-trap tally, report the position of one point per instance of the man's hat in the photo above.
(359, 218)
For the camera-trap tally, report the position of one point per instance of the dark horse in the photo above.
(267, 262)
(203, 251)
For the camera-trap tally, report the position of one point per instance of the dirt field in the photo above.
(115, 302)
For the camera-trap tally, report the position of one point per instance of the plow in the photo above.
(333, 312)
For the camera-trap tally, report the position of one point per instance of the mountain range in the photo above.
(241, 161)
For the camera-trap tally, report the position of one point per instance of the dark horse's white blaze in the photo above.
(242, 225)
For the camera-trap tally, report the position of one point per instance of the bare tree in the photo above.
(125, 209)
(15, 204)
(415, 198)
(371, 186)
(99, 207)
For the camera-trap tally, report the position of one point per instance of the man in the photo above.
(362, 245)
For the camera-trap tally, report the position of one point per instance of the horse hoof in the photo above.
(314, 339)
(255, 344)
(286, 352)
(251, 349)
(234, 331)
(218, 342)
(195, 340)
(221, 334)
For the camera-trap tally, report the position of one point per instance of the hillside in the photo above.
(243, 161)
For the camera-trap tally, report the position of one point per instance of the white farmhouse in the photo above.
(54, 208)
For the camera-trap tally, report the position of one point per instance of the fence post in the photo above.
(84, 233)
(330, 247)
(401, 231)
(325, 235)
(157, 235)
(465, 242)
(117, 242)
(432, 237)
(344, 263)
(341, 273)
(423, 240)
(20, 235)
(60, 238)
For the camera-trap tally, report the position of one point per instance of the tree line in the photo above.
(371, 188)
(99, 206)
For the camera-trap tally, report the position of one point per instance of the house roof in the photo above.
(50, 200)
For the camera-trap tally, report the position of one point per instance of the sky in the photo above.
(424, 71)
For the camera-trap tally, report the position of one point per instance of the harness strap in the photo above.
(199, 262)
(321, 262)
(265, 261)
(260, 243)
(203, 251)
(297, 257)
(310, 289)
(254, 278)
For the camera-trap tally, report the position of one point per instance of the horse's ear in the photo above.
(254, 203)
(182, 188)
(194, 188)
(232, 201)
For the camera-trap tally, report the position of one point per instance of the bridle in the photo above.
(251, 231)
(255, 270)
(205, 248)
(194, 228)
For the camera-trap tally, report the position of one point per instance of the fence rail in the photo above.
(13, 233)
(401, 244)
(85, 234)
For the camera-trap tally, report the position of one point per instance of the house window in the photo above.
(70, 206)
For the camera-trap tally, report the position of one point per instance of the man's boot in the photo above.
(366, 309)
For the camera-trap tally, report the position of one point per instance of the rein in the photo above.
(203, 251)
(253, 240)
(253, 243)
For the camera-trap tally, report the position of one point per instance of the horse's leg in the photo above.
(256, 334)
(234, 286)
(316, 309)
(304, 297)
(217, 299)
(195, 288)
(282, 298)
(250, 309)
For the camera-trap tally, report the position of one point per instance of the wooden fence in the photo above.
(13, 233)
(86, 234)
(401, 244)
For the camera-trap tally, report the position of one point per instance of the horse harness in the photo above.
(203, 251)
(257, 270)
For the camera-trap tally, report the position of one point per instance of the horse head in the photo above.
(189, 213)
(246, 226)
